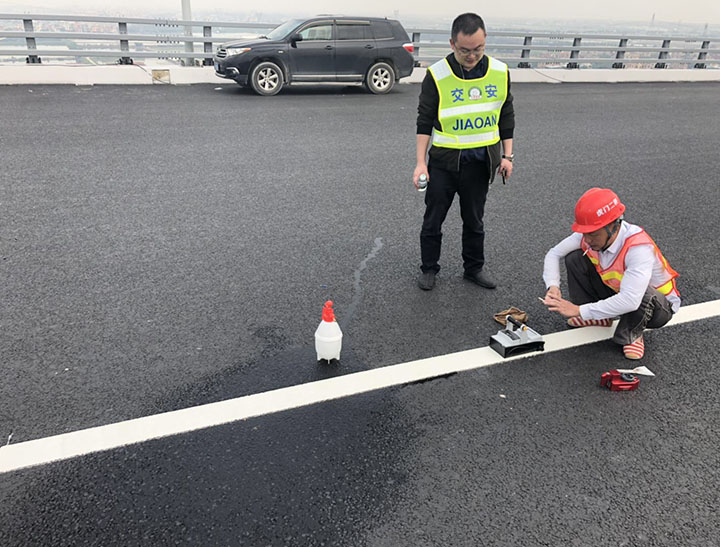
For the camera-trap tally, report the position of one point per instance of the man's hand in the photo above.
(560, 305)
(420, 169)
(554, 291)
(505, 168)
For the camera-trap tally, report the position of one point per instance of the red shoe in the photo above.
(635, 350)
(580, 322)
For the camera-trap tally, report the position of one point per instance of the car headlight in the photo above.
(237, 50)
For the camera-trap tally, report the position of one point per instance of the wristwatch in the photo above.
(510, 158)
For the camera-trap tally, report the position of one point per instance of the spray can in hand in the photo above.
(422, 183)
(328, 336)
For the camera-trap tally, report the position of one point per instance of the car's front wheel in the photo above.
(380, 78)
(266, 78)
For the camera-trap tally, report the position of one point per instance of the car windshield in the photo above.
(278, 33)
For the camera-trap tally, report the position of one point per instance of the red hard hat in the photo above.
(596, 208)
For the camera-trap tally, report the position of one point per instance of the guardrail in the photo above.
(175, 40)
(117, 44)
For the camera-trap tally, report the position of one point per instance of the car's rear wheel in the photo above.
(266, 78)
(380, 78)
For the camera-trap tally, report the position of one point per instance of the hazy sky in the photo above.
(698, 11)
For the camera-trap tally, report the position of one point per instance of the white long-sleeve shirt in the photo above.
(642, 269)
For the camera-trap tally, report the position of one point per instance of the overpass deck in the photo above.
(165, 247)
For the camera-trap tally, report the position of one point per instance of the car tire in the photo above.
(380, 78)
(266, 78)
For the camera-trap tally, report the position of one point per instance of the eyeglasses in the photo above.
(467, 52)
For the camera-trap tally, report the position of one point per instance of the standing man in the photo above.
(614, 269)
(465, 112)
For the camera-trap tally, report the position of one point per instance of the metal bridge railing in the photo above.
(110, 37)
(523, 49)
(167, 42)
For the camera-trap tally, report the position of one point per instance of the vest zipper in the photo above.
(462, 74)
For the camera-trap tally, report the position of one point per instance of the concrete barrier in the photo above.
(176, 75)
(595, 75)
(106, 74)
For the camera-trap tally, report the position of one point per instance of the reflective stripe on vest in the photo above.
(469, 110)
(612, 276)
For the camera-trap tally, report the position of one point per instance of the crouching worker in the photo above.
(614, 269)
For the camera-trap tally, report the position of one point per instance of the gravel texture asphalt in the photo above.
(167, 246)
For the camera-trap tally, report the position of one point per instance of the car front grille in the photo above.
(221, 53)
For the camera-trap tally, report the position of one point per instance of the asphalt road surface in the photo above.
(168, 246)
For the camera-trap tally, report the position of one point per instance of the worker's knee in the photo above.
(574, 260)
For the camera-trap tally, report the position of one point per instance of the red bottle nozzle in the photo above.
(328, 314)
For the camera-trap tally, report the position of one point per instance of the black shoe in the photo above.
(481, 278)
(426, 281)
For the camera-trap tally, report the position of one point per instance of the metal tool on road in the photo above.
(619, 381)
(516, 338)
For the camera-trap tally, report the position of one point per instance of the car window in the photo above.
(354, 31)
(382, 30)
(398, 31)
(283, 30)
(317, 32)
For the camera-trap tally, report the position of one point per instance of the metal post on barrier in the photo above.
(30, 59)
(620, 53)
(525, 53)
(124, 45)
(575, 53)
(187, 16)
(663, 54)
(703, 54)
(207, 33)
(416, 48)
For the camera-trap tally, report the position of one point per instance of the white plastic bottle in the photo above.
(328, 336)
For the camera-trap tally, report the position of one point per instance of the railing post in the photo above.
(620, 53)
(703, 54)
(189, 48)
(525, 53)
(207, 33)
(30, 59)
(663, 54)
(416, 49)
(575, 53)
(124, 45)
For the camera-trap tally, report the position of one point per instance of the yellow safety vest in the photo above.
(469, 110)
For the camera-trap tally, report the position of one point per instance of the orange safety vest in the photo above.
(612, 276)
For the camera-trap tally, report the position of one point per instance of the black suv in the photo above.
(372, 51)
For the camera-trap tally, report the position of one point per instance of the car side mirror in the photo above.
(295, 38)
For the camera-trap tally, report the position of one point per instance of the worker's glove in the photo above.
(516, 314)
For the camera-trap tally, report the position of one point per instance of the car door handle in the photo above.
(328, 47)
(369, 46)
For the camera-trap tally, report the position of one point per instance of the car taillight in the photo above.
(409, 47)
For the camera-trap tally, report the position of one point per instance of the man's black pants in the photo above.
(471, 184)
(586, 286)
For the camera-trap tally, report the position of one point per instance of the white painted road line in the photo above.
(107, 437)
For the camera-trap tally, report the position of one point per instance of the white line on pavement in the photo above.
(107, 437)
